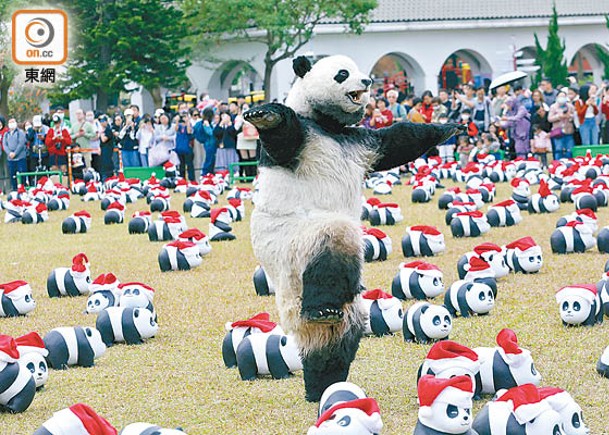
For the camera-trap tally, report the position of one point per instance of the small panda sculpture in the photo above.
(421, 193)
(504, 214)
(445, 406)
(140, 222)
(149, 429)
(571, 415)
(92, 193)
(488, 191)
(583, 197)
(544, 201)
(387, 213)
(585, 216)
(479, 271)
(59, 202)
(78, 223)
(78, 419)
(580, 304)
(261, 283)
(268, 354)
(166, 229)
(17, 383)
(72, 281)
(520, 410)
(422, 241)
(458, 207)
(197, 237)
(384, 311)
(573, 237)
(33, 357)
(469, 298)
(488, 252)
(425, 323)
(136, 295)
(237, 331)
(126, 325)
(199, 204)
(236, 209)
(160, 202)
(447, 359)
(345, 409)
(14, 211)
(34, 214)
(377, 245)
(104, 293)
(179, 255)
(507, 365)
(305, 144)
(115, 214)
(417, 280)
(602, 366)
(523, 256)
(16, 299)
(367, 206)
(447, 197)
(469, 224)
(242, 193)
(521, 192)
(70, 346)
(219, 228)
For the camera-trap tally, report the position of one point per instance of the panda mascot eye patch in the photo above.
(311, 169)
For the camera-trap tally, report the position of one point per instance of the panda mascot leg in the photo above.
(305, 227)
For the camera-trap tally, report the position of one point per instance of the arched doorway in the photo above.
(399, 71)
(464, 66)
(586, 65)
(233, 78)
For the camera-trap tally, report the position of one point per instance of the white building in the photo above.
(419, 37)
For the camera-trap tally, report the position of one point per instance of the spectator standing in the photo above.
(106, 145)
(539, 111)
(128, 141)
(39, 154)
(426, 107)
(518, 120)
(561, 116)
(226, 138)
(82, 132)
(444, 99)
(183, 148)
(197, 146)
(549, 93)
(446, 150)
(14, 147)
(464, 148)
(605, 111)
(482, 112)
(164, 142)
(247, 141)
(368, 120)
(117, 126)
(541, 145)
(145, 138)
(94, 143)
(387, 116)
(439, 110)
(204, 133)
(397, 110)
(414, 115)
(57, 139)
(587, 110)
(465, 100)
(498, 101)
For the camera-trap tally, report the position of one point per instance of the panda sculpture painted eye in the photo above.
(151, 322)
(565, 306)
(31, 367)
(452, 411)
(556, 430)
(344, 422)
(447, 319)
(575, 421)
(42, 366)
(531, 259)
(533, 370)
(27, 298)
(437, 320)
(136, 313)
(437, 282)
(577, 306)
(88, 279)
(97, 303)
(136, 291)
(482, 296)
(490, 294)
(127, 292)
(400, 313)
(88, 332)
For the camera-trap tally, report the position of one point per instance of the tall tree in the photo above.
(552, 59)
(283, 26)
(122, 42)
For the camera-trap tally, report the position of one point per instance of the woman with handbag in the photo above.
(164, 142)
(561, 116)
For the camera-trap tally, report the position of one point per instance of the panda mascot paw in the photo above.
(304, 228)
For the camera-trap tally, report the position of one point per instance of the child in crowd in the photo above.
(464, 148)
(446, 150)
(541, 145)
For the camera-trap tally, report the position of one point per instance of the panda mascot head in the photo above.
(570, 412)
(579, 305)
(445, 405)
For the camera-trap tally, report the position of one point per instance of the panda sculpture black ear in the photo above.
(301, 66)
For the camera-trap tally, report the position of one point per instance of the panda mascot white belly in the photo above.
(305, 227)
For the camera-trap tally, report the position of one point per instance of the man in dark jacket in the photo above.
(14, 146)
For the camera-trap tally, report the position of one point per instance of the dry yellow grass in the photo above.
(178, 378)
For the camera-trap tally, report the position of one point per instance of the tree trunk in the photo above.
(157, 98)
(104, 57)
(102, 100)
(268, 72)
(6, 78)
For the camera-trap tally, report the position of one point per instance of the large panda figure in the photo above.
(311, 169)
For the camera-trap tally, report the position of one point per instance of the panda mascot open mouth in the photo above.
(305, 228)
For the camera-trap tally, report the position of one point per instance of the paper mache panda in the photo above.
(573, 237)
(140, 222)
(425, 323)
(17, 383)
(584, 215)
(580, 304)
(583, 197)
(377, 245)
(136, 295)
(345, 409)
(16, 299)
(417, 280)
(544, 201)
(78, 419)
(488, 252)
(468, 298)
(149, 429)
(521, 191)
(104, 293)
(179, 255)
(199, 204)
(507, 365)
(70, 346)
(447, 359)
(197, 237)
(520, 410)
(445, 406)
(33, 357)
(78, 223)
(268, 354)
(384, 311)
(422, 241)
(386, 213)
(219, 226)
(14, 211)
(469, 224)
(523, 255)
(236, 209)
(126, 325)
(447, 197)
(504, 214)
(70, 281)
(237, 331)
(570, 412)
(261, 283)
(367, 206)
(35, 213)
(458, 207)
(166, 228)
(160, 202)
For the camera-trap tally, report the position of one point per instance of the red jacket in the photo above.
(427, 112)
(581, 108)
(57, 147)
(2, 131)
(605, 109)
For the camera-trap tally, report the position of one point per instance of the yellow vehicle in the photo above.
(252, 97)
(172, 100)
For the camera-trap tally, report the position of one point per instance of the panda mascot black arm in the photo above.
(305, 227)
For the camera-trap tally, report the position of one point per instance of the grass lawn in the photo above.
(178, 378)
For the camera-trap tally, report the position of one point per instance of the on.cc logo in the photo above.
(39, 32)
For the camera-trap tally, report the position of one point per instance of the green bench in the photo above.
(144, 173)
(594, 150)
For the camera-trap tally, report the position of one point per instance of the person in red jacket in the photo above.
(56, 140)
(427, 106)
(605, 110)
(587, 110)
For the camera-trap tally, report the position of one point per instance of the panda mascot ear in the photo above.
(301, 66)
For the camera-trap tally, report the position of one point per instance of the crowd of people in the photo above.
(507, 123)
(200, 140)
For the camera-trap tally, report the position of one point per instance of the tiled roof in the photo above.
(451, 10)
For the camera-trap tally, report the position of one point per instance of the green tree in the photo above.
(282, 26)
(121, 42)
(552, 59)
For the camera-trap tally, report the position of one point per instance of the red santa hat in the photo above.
(586, 212)
(146, 289)
(586, 292)
(31, 342)
(526, 401)
(183, 245)
(41, 207)
(83, 214)
(519, 182)
(220, 214)
(478, 268)
(557, 398)
(523, 244)
(171, 219)
(8, 349)
(144, 213)
(475, 214)
(471, 167)
(456, 190)
(20, 188)
(390, 205)
(192, 233)
(426, 229)
(16, 203)
(235, 202)
(447, 354)
(80, 263)
(261, 321)
(16, 289)
(79, 419)
(376, 294)
(467, 204)
(423, 268)
(168, 166)
(507, 340)
(116, 205)
(91, 188)
(544, 189)
(581, 190)
(153, 180)
(375, 232)
(457, 391)
(243, 189)
(63, 196)
(472, 192)
(367, 405)
(105, 280)
(484, 248)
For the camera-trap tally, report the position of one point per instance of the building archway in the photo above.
(464, 66)
(586, 65)
(400, 71)
(234, 77)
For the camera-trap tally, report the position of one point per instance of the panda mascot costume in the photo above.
(305, 227)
